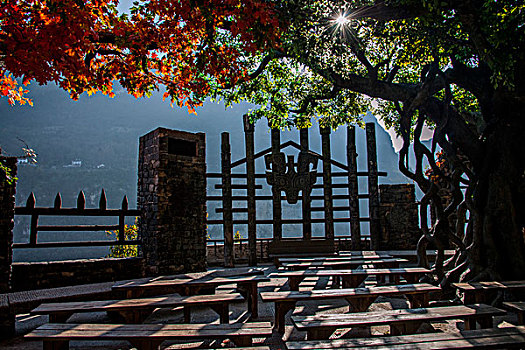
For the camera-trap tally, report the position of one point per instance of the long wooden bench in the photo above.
(358, 298)
(495, 338)
(137, 310)
(352, 278)
(246, 284)
(403, 321)
(482, 292)
(518, 307)
(410, 255)
(344, 264)
(288, 260)
(300, 248)
(56, 336)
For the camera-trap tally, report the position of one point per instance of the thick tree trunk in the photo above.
(499, 251)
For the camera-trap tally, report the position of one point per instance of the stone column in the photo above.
(399, 217)
(7, 214)
(172, 198)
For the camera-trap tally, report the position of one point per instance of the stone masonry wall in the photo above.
(399, 217)
(40, 275)
(172, 198)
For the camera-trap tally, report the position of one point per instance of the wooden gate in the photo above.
(291, 181)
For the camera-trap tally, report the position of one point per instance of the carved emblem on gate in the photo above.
(282, 176)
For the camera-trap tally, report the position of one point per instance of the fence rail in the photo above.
(36, 212)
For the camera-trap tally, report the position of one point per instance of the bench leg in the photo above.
(320, 333)
(131, 316)
(412, 278)
(146, 344)
(48, 344)
(352, 281)
(520, 314)
(281, 309)
(252, 294)
(404, 328)
(294, 282)
(186, 309)
(418, 300)
(360, 304)
(242, 340)
(483, 321)
(223, 310)
(59, 317)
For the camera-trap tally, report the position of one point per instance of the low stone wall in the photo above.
(39, 275)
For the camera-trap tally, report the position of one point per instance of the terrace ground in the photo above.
(238, 313)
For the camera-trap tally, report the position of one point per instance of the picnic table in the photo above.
(345, 264)
(289, 260)
(358, 298)
(137, 310)
(480, 292)
(401, 321)
(352, 278)
(245, 284)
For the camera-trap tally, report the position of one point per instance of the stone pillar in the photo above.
(7, 214)
(398, 213)
(172, 198)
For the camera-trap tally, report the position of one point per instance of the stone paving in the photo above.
(238, 313)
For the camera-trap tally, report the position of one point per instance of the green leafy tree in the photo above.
(454, 66)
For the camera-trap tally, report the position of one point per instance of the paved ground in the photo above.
(25, 323)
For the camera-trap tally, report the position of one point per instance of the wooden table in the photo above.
(358, 298)
(479, 292)
(352, 278)
(345, 264)
(137, 310)
(401, 321)
(245, 284)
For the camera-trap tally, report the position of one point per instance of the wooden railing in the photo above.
(80, 210)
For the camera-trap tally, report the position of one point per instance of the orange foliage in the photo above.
(189, 46)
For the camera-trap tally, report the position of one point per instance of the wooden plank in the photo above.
(347, 292)
(250, 182)
(365, 319)
(227, 222)
(373, 187)
(388, 262)
(473, 339)
(327, 183)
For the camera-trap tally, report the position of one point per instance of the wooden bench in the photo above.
(482, 292)
(246, 284)
(410, 255)
(495, 338)
(300, 248)
(137, 310)
(358, 298)
(518, 307)
(344, 264)
(404, 321)
(352, 278)
(56, 336)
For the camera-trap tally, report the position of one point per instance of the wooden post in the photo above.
(373, 193)
(227, 199)
(306, 202)
(276, 194)
(353, 188)
(327, 183)
(250, 182)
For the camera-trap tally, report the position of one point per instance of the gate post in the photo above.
(172, 199)
(373, 192)
(227, 214)
(276, 194)
(7, 208)
(327, 183)
(306, 202)
(250, 182)
(353, 192)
